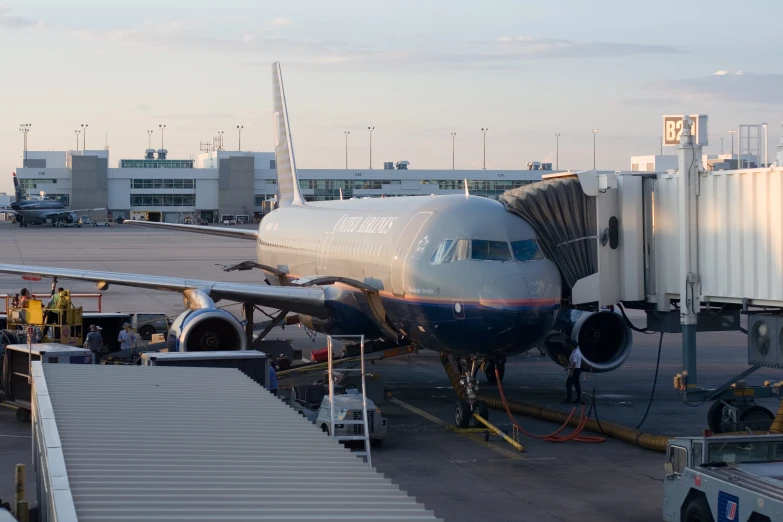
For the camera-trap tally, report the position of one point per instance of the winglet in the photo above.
(288, 192)
(466, 188)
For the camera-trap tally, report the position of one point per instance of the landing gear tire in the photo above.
(698, 511)
(756, 418)
(146, 332)
(482, 409)
(462, 414)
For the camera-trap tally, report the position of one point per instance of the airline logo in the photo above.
(728, 507)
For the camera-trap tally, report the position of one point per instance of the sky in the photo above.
(415, 70)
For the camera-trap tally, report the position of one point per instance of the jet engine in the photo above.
(604, 339)
(70, 218)
(206, 329)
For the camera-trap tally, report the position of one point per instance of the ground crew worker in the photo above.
(24, 296)
(272, 380)
(574, 370)
(128, 339)
(94, 342)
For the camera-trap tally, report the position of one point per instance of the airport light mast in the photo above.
(484, 130)
(346, 149)
(766, 136)
(370, 129)
(594, 131)
(149, 139)
(731, 132)
(239, 129)
(84, 136)
(452, 149)
(24, 128)
(77, 131)
(557, 150)
(161, 127)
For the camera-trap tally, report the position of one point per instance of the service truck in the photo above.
(724, 479)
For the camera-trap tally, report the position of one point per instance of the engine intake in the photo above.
(604, 339)
(206, 329)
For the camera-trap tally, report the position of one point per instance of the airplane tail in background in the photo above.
(288, 192)
(19, 195)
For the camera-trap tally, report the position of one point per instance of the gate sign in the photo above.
(672, 129)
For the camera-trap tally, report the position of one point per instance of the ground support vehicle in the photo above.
(724, 479)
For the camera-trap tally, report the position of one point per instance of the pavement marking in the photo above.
(475, 437)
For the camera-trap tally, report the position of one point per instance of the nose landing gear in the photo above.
(464, 409)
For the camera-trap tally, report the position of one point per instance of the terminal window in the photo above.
(32, 183)
(163, 200)
(163, 183)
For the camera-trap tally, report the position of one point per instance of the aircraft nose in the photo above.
(514, 285)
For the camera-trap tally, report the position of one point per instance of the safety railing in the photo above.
(76, 299)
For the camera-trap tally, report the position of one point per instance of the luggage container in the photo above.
(16, 370)
(252, 363)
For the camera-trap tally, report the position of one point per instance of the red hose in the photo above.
(552, 437)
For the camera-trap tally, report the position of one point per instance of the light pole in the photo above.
(77, 131)
(149, 139)
(660, 141)
(732, 142)
(453, 134)
(721, 145)
(84, 136)
(346, 149)
(239, 129)
(220, 140)
(24, 128)
(370, 129)
(161, 127)
(594, 131)
(765, 145)
(557, 151)
(484, 130)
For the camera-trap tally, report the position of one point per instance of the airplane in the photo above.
(457, 274)
(35, 211)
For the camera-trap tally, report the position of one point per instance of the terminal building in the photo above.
(236, 183)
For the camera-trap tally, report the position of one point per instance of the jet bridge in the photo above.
(694, 248)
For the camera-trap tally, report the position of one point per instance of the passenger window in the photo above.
(458, 252)
(678, 457)
(490, 250)
(440, 252)
(526, 250)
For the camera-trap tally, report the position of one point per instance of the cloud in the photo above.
(9, 21)
(526, 47)
(723, 86)
(141, 107)
(281, 22)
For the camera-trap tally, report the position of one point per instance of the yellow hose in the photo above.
(777, 424)
(617, 431)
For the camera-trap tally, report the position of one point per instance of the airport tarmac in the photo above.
(458, 476)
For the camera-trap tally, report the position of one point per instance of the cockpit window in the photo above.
(526, 250)
(440, 253)
(458, 252)
(490, 250)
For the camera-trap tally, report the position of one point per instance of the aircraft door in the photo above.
(402, 251)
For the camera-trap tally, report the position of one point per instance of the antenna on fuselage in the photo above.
(466, 188)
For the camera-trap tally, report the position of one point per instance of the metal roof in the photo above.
(177, 443)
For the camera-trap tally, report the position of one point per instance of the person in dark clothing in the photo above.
(574, 370)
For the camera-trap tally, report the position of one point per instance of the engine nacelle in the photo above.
(70, 218)
(604, 339)
(206, 329)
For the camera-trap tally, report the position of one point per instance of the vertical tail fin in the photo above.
(19, 195)
(288, 192)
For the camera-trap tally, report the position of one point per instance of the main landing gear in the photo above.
(465, 409)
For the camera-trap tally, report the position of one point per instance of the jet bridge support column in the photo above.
(690, 288)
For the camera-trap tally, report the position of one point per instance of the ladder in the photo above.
(365, 436)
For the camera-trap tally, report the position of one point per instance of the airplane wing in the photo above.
(308, 301)
(84, 210)
(236, 233)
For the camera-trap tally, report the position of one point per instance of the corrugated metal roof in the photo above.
(174, 443)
